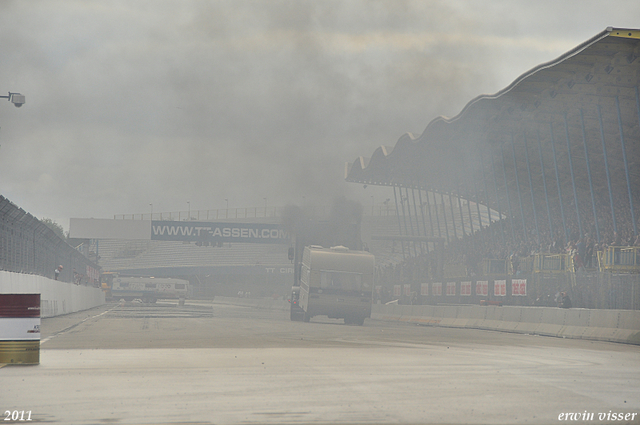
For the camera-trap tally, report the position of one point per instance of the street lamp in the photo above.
(16, 98)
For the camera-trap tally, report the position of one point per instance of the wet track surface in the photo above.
(209, 363)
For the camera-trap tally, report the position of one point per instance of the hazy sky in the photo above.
(131, 103)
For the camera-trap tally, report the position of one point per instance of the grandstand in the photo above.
(556, 154)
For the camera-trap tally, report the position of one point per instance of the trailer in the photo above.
(335, 282)
(147, 289)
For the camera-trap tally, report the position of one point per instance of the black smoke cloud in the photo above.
(137, 103)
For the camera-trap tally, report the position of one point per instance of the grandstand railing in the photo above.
(620, 259)
(538, 263)
(552, 263)
(615, 259)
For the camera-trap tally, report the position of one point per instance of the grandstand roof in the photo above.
(586, 95)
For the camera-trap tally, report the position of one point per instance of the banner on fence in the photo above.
(519, 287)
(465, 289)
(451, 289)
(500, 288)
(436, 289)
(482, 288)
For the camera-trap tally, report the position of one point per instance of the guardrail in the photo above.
(620, 259)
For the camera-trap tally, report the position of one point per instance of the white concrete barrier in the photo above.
(56, 298)
(603, 325)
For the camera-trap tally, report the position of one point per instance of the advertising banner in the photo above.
(436, 289)
(519, 287)
(20, 328)
(465, 289)
(500, 288)
(207, 232)
(451, 288)
(482, 288)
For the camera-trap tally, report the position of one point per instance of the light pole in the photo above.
(227, 214)
(265, 207)
(16, 98)
(189, 210)
(151, 205)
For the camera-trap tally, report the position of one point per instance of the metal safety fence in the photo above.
(29, 246)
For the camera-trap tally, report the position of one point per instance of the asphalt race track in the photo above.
(210, 363)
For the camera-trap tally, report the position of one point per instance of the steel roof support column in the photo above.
(406, 191)
(544, 183)
(515, 171)
(475, 189)
(453, 217)
(424, 224)
(444, 216)
(435, 207)
(506, 189)
(415, 211)
(495, 183)
(586, 155)
(573, 180)
(395, 197)
(486, 190)
(555, 163)
(427, 204)
(469, 211)
(606, 167)
(460, 208)
(626, 166)
(404, 215)
(533, 202)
